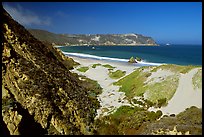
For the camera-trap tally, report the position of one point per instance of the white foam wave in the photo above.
(142, 63)
(150, 63)
(58, 46)
(95, 57)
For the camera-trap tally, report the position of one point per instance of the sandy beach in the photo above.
(111, 98)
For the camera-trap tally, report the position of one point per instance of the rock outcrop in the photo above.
(39, 93)
(132, 60)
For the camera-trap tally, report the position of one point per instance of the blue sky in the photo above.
(165, 22)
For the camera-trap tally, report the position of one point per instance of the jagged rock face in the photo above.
(42, 85)
(12, 119)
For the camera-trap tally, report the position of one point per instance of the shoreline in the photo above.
(99, 54)
(111, 45)
(111, 60)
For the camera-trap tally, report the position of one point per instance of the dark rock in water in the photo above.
(36, 77)
(132, 60)
(138, 59)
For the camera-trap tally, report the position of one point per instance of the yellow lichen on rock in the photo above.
(170, 132)
(12, 120)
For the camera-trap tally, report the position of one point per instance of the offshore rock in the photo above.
(132, 60)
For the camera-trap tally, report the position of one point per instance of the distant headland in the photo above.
(130, 39)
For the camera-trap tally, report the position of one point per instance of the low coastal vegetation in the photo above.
(95, 65)
(116, 74)
(156, 89)
(108, 66)
(83, 69)
(125, 121)
(175, 68)
(135, 84)
(105, 65)
(138, 121)
(93, 87)
(197, 79)
(187, 122)
(162, 90)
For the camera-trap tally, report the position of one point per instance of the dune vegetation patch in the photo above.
(95, 65)
(108, 66)
(125, 121)
(162, 90)
(187, 122)
(116, 74)
(159, 92)
(93, 87)
(83, 69)
(175, 68)
(136, 121)
(133, 84)
(197, 79)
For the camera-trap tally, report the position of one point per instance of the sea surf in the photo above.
(151, 55)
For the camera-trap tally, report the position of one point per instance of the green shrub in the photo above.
(108, 66)
(158, 114)
(95, 65)
(162, 102)
(133, 84)
(117, 74)
(175, 68)
(83, 69)
(197, 79)
(138, 102)
(93, 87)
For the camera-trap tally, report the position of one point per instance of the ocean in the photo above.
(150, 55)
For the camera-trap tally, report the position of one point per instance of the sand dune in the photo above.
(184, 97)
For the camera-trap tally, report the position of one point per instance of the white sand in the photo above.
(110, 99)
(184, 97)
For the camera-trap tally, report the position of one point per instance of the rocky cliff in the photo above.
(39, 93)
(98, 39)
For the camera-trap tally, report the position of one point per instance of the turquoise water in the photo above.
(173, 54)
